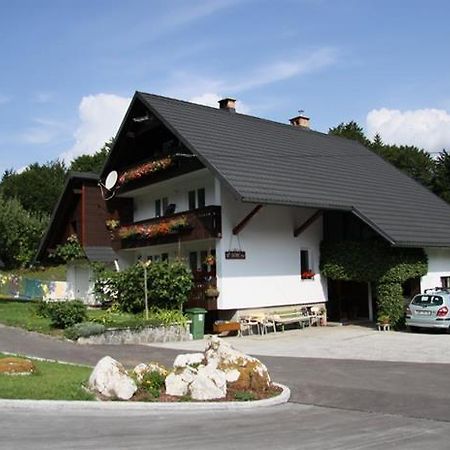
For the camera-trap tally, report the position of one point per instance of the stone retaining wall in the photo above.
(116, 336)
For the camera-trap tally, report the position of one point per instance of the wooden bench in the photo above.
(226, 327)
(282, 318)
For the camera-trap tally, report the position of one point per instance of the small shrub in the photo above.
(152, 382)
(157, 317)
(244, 396)
(69, 251)
(66, 314)
(169, 285)
(42, 309)
(83, 329)
(390, 302)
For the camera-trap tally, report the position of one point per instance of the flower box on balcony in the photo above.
(142, 170)
(154, 230)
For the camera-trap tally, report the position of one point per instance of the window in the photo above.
(306, 271)
(203, 255)
(201, 198)
(193, 260)
(165, 204)
(428, 300)
(304, 261)
(445, 282)
(191, 199)
(156, 258)
(161, 206)
(197, 199)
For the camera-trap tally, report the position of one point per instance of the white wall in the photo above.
(80, 284)
(270, 274)
(438, 266)
(176, 190)
(175, 251)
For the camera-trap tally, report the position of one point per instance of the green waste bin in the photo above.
(197, 317)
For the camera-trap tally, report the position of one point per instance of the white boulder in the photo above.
(110, 379)
(253, 374)
(188, 359)
(178, 382)
(209, 384)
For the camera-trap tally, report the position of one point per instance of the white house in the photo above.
(246, 203)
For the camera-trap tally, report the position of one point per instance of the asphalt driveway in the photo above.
(408, 389)
(341, 342)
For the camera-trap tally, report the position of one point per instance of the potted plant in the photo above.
(210, 260)
(212, 291)
(323, 317)
(384, 322)
(308, 275)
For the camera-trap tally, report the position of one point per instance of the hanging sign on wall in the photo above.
(235, 254)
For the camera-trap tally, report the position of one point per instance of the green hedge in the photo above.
(371, 261)
(377, 262)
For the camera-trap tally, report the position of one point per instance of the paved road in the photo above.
(408, 389)
(16, 340)
(353, 404)
(289, 427)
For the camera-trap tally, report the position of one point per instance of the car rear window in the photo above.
(427, 300)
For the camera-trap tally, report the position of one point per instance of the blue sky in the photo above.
(69, 68)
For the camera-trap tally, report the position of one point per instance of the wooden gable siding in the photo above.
(93, 217)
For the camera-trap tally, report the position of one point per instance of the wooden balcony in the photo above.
(202, 223)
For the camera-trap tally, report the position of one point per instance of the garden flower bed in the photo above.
(221, 373)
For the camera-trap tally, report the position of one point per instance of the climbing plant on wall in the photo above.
(377, 262)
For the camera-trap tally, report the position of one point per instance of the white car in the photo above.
(429, 310)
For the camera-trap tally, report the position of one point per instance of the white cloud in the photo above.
(206, 90)
(100, 117)
(426, 128)
(283, 70)
(43, 132)
(43, 97)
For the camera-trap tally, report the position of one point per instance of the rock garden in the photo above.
(220, 373)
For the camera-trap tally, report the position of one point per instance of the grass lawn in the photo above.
(51, 273)
(22, 314)
(52, 381)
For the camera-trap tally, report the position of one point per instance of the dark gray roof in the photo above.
(273, 163)
(100, 254)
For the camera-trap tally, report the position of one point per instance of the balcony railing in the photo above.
(202, 223)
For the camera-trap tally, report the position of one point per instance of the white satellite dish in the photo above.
(107, 189)
(111, 180)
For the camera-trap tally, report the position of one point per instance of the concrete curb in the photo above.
(84, 406)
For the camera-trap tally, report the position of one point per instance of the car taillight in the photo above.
(408, 311)
(442, 311)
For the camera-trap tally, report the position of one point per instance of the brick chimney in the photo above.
(228, 104)
(300, 121)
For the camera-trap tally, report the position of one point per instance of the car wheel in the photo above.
(414, 329)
